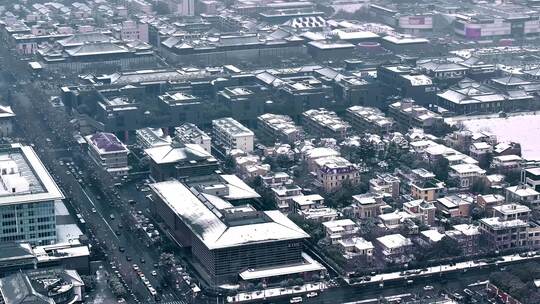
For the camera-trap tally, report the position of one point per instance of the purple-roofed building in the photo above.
(109, 153)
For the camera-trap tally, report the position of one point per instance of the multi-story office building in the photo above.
(409, 114)
(27, 197)
(180, 161)
(109, 153)
(400, 80)
(280, 128)
(245, 103)
(367, 118)
(229, 134)
(152, 137)
(181, 107)
(325, 123)
(226, 240)
(189, 133)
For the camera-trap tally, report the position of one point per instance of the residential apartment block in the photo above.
(230, 135)
(369, 119)
(280, 128)
(325, 123)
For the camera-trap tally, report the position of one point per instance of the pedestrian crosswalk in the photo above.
(174, 302)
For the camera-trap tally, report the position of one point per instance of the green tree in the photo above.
(89, 281)
(442, 129)
(446, 247)
(441, 168)
(479, 186)
(485, 161)
(167, 259)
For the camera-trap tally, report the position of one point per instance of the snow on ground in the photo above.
(524, 129)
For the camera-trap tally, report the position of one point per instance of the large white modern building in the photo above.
(230, 134)
(27, 197)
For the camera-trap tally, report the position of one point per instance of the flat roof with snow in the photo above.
(309, 265)
(30, 179)
(209, 225)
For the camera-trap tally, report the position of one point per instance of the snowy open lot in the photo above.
(524, 129)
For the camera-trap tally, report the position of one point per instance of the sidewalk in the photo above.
(275, 292)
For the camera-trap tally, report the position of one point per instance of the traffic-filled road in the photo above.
(122, 246)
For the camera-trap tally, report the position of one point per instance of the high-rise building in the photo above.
(27, 197)
(182, 7)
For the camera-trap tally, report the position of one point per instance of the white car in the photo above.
(312, 294)
(154, 273)
(428, 288)
(296, 300)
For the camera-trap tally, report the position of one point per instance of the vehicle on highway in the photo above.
(296, 300)
(312, 294)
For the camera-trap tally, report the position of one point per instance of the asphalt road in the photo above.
(82, 197)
